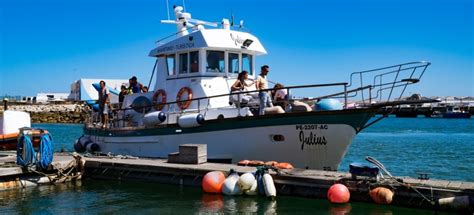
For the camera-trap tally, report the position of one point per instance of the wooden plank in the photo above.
(467, 186)
(9, 171)
(454, 185)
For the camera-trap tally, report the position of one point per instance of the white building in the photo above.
(51, 97)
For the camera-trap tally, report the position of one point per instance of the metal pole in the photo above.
(345, 95)
(5, 104)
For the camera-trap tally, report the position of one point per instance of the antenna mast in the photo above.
(168, 9)
(184, 6)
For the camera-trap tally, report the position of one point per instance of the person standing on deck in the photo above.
(104, 104)
(135, 86)
(262, 85)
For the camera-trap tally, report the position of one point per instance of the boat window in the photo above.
(194, 59)
(215, 61)
(247, 63)
(170, 65)
(183, 63)
(233, 63)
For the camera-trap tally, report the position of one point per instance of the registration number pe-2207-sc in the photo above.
(309, 135)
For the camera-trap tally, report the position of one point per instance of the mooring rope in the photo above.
(25, 151)
(46, 151)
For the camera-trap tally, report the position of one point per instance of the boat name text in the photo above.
(176, 47)
(311, 139)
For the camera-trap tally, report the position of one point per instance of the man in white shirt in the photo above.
(262, 85)
(104, 102)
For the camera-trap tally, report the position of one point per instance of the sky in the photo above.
(45, 45)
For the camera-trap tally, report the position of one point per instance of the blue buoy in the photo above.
(328, 104)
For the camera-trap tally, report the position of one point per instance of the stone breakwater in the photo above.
(54, 113)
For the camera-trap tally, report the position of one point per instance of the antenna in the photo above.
(168, 9)
(184, 6)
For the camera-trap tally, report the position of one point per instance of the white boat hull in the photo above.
(313, 146)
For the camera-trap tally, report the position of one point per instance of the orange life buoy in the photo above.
(185, 104)
(159, 104)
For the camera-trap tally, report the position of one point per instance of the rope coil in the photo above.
(27, 156)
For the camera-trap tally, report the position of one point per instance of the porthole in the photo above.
(277, 138)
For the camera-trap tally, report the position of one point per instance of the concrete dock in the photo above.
(409, 192)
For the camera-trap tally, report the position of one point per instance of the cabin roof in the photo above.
(211, 38)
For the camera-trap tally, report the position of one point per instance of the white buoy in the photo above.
(190, 120)
(246, 181)
(154, 118)
(270, 190)
(253, 190)
(456, 202)
(230, 185)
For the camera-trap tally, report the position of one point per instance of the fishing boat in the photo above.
(191, 103)
(454, 112)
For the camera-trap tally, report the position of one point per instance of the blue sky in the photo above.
(47, 44)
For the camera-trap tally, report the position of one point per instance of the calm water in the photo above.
(404, 145)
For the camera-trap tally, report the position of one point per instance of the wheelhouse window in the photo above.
(215, 61)
(170, 65)
(247, 63)
(194, 60)
(233, 60)
(183, 63)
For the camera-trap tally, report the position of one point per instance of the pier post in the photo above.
(5, 104)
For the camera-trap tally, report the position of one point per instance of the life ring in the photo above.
(159, 104)
(185, 104)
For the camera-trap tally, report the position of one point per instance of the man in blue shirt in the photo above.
(135, 86)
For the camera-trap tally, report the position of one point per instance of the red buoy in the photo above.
(338, 193)
(212, 182)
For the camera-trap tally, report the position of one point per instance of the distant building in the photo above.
(83, 90)
(51, 97)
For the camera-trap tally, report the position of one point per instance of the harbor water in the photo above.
(441, 147)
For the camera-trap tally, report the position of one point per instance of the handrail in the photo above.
(254, 91)
(405, 74)
(423, 64)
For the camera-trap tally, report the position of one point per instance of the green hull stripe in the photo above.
(355, 119)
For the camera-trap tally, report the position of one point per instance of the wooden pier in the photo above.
(296, 182)
(64, 168)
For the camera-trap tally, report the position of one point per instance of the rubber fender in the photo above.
(230, 185)
(270, 190)
(246, 181)
(381, 195)
(78, 147)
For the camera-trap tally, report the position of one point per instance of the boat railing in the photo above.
(392, 80)
(382, 80)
